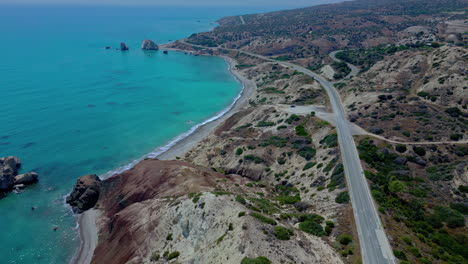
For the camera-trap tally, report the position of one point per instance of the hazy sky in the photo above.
(291, 3)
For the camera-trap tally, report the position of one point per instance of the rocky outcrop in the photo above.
(85, 194)
(9, 178)
(149, 45)
(26, 179)
(123, 46)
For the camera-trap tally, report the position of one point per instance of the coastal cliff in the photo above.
(174, 209)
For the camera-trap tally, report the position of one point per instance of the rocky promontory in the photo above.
(9, 178)
(149, 45)
(85, 194)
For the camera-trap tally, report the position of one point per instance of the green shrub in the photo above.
(454, 112)
(441, 172)
(240, 199)
(282, 233)
(300, 131)
(287, 199)
(329, 227)
(307, 152)
(169, 237)
(241, 214)
(275, 141)
(239, 151)
(253, 158)
(311, 217)
(342, 198)
(407, 240)
(396, 186)
(312, 227)
(173, 255)
(345, 239)
(400, 148)
(330, 141)
(258, 260)
(263, 218)
(452, 217)
(400, 254)
(281, 127)
(419, 151)
(463, 188)
(265, 124)
(309, 165)
(456, 136)
(155, 256)
(460, 207)
(292, 118)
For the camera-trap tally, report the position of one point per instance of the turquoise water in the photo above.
(69, 107)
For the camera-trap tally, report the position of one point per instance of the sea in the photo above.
(69, 107)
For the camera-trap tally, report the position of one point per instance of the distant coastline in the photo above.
(177, 147)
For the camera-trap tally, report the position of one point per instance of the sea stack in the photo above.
(123, 46)
(9, 178)
(149, 45)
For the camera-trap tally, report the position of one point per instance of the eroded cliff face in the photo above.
(175, 206)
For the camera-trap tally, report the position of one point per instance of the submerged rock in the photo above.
(165, 52)
(85, 194)
(123, 46)
(149, 45)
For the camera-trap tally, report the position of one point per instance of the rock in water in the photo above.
(26, 179)
(8, 169)
(85, 194)
(123, 46)
(149, 45)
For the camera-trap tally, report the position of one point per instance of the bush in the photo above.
(292, 119)
(258, 260)
(454, 112)
(241, 214)
(400, 254)
(330, 141)
(309, 165)
(456, 137)
(441, 172)
(400, 148)
(342, 198)
(239, 151)
(312, 227)
(282, 233)
(307, 152)
(173, 255)
(452, 217)
(419, 151)
(463, 188)
(264, 219)
(345, 239)
(253, 158)
(240, 199)
(287, 199)
(300, 131)
(155, 256)
(265, 124)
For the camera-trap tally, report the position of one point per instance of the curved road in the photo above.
(354, 69)
(375, 248)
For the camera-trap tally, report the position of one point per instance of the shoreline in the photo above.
(177, 147)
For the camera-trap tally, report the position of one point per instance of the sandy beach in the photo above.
(88, 230)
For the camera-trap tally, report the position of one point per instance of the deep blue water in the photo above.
(68, 107)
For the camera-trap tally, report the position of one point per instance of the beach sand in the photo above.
(88, 230)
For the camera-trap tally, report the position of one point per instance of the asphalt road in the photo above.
(375, 248)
